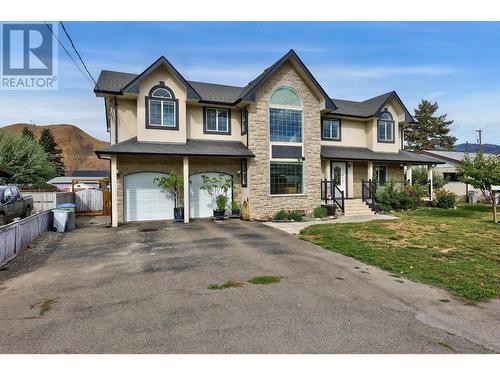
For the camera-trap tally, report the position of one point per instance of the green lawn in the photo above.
(456, 249)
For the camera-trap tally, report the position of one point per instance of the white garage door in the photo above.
(200, 203)
(143, 200)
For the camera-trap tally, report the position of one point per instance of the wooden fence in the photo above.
(88, 201)
(15, 237)
(46, 200)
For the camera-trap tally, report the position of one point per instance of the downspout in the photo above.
(116, 123)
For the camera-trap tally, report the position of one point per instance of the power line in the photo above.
(67, 52)
(78, 54)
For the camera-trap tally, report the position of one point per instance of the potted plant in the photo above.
(217, 188)
(174, 186)
(235, 208)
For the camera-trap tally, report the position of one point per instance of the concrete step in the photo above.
(359, 213)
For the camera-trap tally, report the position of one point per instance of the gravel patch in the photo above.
(32, 257)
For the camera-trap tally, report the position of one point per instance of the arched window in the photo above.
(385, 128)
(162, 108)
(286, 97)
(285, 116)
(285, 126)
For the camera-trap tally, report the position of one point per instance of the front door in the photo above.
(337, 170)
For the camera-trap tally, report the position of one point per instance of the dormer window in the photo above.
(385, 128)
(162, 110)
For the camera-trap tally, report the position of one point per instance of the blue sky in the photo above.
(455, 64)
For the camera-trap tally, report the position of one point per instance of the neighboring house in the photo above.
(87, 179)
(276, 138)
(451, 159)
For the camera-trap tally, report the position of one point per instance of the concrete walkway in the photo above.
(295, 227)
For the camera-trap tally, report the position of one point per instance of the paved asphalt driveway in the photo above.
(143, 289)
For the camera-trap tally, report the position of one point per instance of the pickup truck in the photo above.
(13, 204)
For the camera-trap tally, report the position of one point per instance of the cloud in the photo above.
(477, 110)
(434, 95)
(364, 72)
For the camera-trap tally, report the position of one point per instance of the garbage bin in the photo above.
(61, 216)
(70, 207)
(472, 197)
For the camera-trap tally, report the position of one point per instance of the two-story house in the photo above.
(276, 138)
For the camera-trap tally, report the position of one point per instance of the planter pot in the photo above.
(179, 215)
(330, 209)
(235, 212)
(219, 214)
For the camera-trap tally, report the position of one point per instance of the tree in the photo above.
(54, 154)
(431, 131)
(26, 158)
(419, 176)
(27, 132)
(173, 184)
(481, 173)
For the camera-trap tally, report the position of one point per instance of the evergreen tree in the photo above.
(27, 132)
(54, 154)
(431, 132)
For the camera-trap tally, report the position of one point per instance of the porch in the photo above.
(353, 174)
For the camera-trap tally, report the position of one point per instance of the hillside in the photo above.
(77, 146)
(473, 147)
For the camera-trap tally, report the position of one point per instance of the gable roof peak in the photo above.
(248, 92)
(162, 61)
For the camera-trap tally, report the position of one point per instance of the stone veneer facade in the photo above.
(262, 204)
(131, 164)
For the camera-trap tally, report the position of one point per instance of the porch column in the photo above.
(350, 179)
(369, 171)
(409, 175)
(429, 177)
(185, 173)
(114, 192)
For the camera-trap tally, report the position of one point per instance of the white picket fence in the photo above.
(89, 200)
(15, 237)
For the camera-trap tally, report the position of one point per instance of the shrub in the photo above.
(320, 212)
(419, 176)
(295, 216)
(444, 198)
(280, 215)
(390, 197)
(221, 202)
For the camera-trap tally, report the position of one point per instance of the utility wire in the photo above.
(67, 52)
(78, 54)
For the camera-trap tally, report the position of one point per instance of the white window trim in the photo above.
(217, 110)
(161, 112)
(337, 138)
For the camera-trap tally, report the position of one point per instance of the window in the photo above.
(286, 178)
(217, 120)
(244, 173)
(244, 121)
(161, 108)
(285, 116)
(330, 129)
(380, 174)
(286, 125)
(385, 131)
(7, 195)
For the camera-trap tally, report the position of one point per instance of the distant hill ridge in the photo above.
(488, 148)
(77, 146)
